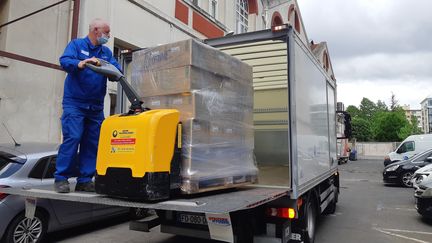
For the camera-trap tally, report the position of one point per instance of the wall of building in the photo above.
(426, 110)
(377, 150)
(31, 95)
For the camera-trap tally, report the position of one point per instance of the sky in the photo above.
(377, 47)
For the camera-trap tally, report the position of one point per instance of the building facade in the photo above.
(410, 113)
(426, 110)
(31, 80)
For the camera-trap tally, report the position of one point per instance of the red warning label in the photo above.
(123, 141)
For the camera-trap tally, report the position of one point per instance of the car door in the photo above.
(65, 212)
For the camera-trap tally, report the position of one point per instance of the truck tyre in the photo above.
(22, 229)
(308, 222)
(331, 207)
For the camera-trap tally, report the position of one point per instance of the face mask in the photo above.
(103, 39)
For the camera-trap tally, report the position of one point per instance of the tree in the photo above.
(381, 106)
(391, 126)
(353, 111)
(361, 129)
(393, 102)
(367, 108)
(415, 128)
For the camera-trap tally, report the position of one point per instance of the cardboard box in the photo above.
(191, 53)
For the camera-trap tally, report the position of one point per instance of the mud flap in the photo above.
(30, 207)
(220, 227)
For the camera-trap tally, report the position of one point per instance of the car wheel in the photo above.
(22, 229)
(406, 179)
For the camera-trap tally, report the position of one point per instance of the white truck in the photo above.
(295, 123)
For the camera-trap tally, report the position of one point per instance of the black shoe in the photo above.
(85, 187)
(61, 186)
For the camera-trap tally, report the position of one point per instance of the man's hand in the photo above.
(92, 60)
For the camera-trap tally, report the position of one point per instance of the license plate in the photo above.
(192, 219)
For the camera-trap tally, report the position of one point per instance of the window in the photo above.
(430, 102)
(406, 147)
(213, 8)
(423, 157)
(242, 10)
(195, 2)
(44, 168)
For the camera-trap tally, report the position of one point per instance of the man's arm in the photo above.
(69, 60)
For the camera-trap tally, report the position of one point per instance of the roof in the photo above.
(427, 98)
(30, 148)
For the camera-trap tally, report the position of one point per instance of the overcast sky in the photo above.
(376, 47)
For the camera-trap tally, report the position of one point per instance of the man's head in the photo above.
(99, 31)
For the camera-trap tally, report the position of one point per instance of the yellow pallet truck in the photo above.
(139, 152)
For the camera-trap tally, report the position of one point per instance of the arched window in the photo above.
(242, 10)
(325, 61)
(294, 18)
(276, 19)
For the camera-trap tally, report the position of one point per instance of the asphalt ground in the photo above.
(368, 211)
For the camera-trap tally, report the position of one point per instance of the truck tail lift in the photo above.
(303, 186)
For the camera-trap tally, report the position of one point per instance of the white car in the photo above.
(421, 174)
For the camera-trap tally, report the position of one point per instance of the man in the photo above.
(84, 92)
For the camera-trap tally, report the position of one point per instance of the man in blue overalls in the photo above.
(83, 102)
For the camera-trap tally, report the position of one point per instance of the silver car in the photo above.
(33, 165)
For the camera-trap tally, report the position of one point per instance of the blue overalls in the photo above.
(83, 98)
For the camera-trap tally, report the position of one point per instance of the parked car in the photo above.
(421, 174)
(411, 146)
(401, 172)
(423, 198)
(33, 165)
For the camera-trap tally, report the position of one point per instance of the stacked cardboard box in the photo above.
(214, 94)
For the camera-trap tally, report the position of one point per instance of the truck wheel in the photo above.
(308, 222)
(22, 229)
(331, 207)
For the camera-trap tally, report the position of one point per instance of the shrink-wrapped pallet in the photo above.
(214, 94)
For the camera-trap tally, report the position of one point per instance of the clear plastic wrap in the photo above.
(214, 94)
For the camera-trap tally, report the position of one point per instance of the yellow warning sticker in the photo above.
(123, 141)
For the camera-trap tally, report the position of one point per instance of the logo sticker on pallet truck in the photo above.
(123, 141)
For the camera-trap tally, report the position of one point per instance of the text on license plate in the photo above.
(192, 219)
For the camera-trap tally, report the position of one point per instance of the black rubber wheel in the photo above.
(308, 222)
(405, 179)
(22, 229)
(331, 207)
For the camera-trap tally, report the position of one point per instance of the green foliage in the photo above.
(376, 122)
(414, 124)
(381, 106)
(367, 108)
(361, 129)
(354, 111)
(391, 126)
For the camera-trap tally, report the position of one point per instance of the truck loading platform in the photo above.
(218, 202)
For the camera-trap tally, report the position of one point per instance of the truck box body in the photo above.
(215, 107)
(294, 108)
